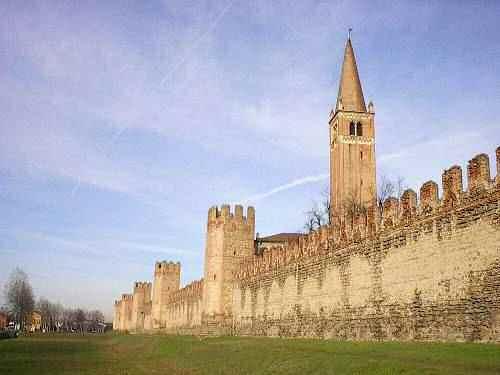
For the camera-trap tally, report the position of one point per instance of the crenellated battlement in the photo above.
(498, 166)
(224, 215)
(230, 239)
(453, 195)
(193, 290)
(142, 285)
(127, 297)
(395, 215)
(478, 173)
(164, 267)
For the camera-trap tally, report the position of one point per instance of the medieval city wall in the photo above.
(184, 307)
(429, 272)
(229, 241)
(167, 279)
(141, 306)
(426, 269)
(125, 312)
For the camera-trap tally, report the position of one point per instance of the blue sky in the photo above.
(121, 123)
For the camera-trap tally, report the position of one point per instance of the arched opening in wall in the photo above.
(215, 276)
(359, 129)
(352, 128)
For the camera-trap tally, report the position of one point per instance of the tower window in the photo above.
(352, 128)
(359, 129)
(361, 155)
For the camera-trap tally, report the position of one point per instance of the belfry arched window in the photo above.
(352, 128)
(359, 129)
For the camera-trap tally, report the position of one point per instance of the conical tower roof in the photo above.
(350, 97)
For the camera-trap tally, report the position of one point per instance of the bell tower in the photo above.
(352, 142)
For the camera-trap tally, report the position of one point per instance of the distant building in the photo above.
(36, 321)
(3, 320)
(279, 239)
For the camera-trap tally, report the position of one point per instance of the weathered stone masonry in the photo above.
(430, 272)
(422, 267)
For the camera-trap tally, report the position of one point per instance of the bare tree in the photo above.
(319, 214)
(353, 207)
(58, 314)
(95, 320)
(385, 190)
(44, 307)
(326, 204)
(95, 316)
(388, 188)
(400, 188)
(67, 319)
(19, 296)
(80, 318)
(51, 314)
(310, 224)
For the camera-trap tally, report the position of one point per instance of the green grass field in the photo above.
(154, 354)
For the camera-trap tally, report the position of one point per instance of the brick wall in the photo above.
(431, 272)
(184, 307)
(426, 269)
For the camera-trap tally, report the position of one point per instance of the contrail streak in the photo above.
(181, 62)
(290, 185)
(212, 26)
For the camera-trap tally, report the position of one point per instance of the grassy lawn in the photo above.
(154, 354)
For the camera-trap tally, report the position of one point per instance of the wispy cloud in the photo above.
(104, 247)
(446, 141)
(284, 187)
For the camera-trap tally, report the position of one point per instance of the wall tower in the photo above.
(230, 239)
(167, 279)
(352, 142)
(126, 312)
(141, 305)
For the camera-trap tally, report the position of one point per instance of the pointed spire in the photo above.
(350, 97)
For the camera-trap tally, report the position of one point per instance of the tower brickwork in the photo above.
(117, 318)
(126, 312)
(230, 240)
(352, 143)
(167, 279)
(141, 305)
(497, 179)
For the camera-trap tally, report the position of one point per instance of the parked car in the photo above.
(10, 332)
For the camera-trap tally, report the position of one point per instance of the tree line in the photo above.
(54, 317)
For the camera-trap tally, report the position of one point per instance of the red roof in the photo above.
(281, 237)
